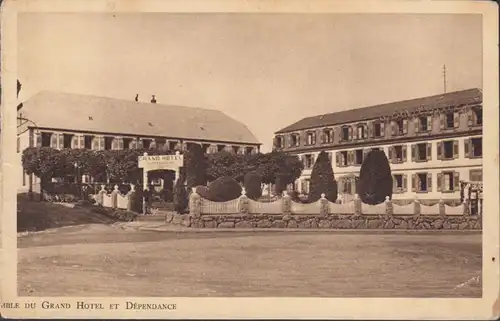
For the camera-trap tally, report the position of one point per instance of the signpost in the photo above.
(159, 162)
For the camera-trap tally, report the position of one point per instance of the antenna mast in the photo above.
(444, 78)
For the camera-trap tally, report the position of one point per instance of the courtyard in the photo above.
(105, 260)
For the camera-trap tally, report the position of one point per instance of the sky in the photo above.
(265, 70)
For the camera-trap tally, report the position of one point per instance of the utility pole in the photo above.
(444, 78)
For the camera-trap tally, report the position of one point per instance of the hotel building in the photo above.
(432, 143)
(61, 120)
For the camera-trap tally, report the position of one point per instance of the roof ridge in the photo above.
(119, 100)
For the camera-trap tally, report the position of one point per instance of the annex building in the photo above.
(62, 120)
(432, 143)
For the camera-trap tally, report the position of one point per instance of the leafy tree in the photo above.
(195, 164)
(220, 164)
(322, 180)
(375, 179)
(252, 183)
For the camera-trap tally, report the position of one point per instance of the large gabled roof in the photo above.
(65, 111)
(463, 97)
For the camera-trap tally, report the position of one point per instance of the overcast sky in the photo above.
(266, 70)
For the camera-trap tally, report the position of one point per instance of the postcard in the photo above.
(249, 159)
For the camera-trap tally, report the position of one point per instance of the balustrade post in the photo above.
(114, 197)
(324, 209)
(243, 202)
(194, 203)
(389, 208)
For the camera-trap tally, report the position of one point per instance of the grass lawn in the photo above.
(102, 260)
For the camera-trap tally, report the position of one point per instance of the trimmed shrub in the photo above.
(322, 180)
(223, 189)
(375, 179)
(252, 183)
(202, 191)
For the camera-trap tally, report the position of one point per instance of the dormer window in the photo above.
(361, 132)
(346, 133)
(476, 116)
(327, 136)
(378, 129)
(279, 142)
(449, 120)
(294, 140)
(311, 138)
(399, 127)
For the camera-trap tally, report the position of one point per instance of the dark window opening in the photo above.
(172, 145)
(478, 113)
(146, 143)
(448, 181)
(126, 143)
(220, 148)
(108, 143)
(398, 153)
(399, 127)
(423, 124)
(88, 141)
(328, 134)
(279, 142)
(422, 152)
(295, 140)
(205, 147)
(477, 147)
(343, 158)
(67, 138)
(236, 149)
(309, 161)
(358, 156)
(46, 137)
(422, 182)
(377, 130)
(345, 133)
(248, 150)
(399, 181)
(450, 120)
(448, 150)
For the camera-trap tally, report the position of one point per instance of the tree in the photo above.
(195, 164)
(375, 179)
(181, 200)
(322, 180)
(220, 164)
(252, 183)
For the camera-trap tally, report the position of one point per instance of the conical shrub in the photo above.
(322, 180)
(375, 179)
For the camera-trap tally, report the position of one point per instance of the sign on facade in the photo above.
(156, 162)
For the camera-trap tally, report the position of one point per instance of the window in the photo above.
(360, 131)
(358, 157)
(398, 127)
(311, 138)
(378, 129)
(220, 148)
(236, 149)
(476, 116)
(46, 138)
(423, 182)
(248, 150)
(342, 158)
(423, 124)
(294, 140)
(347, 186)
(398, 182)
(447, 183)
(18, 144)
(309, 161)
(305, 186)
(477, 147)
(397, 154)
(279, 143)
(449, 120)
(67, 138)
(447, 150)
(88, 141)
(328, 135)
(108, 143)
(476, 175)
(422, 152)
(345, 133)
(126, 143)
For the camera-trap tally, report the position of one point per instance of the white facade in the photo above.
(408, 172)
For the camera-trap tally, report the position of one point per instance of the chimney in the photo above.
(137, 97)
(153, 99)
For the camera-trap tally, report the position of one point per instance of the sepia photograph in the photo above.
(247, 154)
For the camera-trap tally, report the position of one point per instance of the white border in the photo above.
(303, 308)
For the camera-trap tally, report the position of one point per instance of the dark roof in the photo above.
(66, 111)
(463, 97)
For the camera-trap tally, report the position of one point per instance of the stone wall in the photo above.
(331, 221)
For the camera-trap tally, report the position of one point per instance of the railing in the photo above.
(284, 205)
